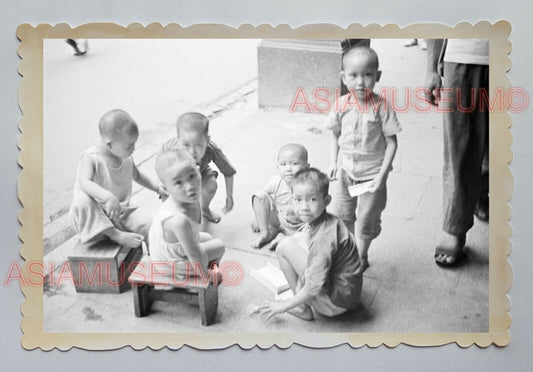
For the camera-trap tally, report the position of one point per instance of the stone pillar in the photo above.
(286, 65)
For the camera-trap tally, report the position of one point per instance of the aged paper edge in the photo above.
(31, 179)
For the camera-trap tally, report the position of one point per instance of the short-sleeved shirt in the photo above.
(117, 180)
(362, 141)
(333, 265)
(212, 154)
(467, 51)
(280, 192)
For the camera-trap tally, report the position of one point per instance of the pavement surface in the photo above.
(403, 290)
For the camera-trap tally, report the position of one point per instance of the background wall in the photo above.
(341, 12)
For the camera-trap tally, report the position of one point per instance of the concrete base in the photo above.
(289, 67)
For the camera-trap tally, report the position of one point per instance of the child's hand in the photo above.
(376, 183)
(332, 172)
(229, 205)
(269, 309)
(112, 207)
(163, 195)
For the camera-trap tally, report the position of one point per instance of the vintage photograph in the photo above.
(271, 190)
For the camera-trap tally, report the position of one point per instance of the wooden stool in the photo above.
(102, 267)
(194, 290)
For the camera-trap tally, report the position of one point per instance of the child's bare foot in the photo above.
(211, 216)
(303, 312)
(264, 237)
(255, 228)
(126, 239)
(274, 244)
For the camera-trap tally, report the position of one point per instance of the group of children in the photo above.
(317, 251)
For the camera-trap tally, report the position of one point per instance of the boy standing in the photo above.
(102, 193)
(320, 262)
(193, 136)
(363, 144)
(272, 205)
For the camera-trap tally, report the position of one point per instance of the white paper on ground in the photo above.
(271, 277)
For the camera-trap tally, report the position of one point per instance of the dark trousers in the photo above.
(466, 166)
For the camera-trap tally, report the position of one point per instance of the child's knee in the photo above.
(209, 185)
(369, 228)
(262, 199)
(284, 247)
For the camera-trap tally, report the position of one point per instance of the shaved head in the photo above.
(193, 121)
(362, 51)
(295, 148)
(165, 159)
(117, 123)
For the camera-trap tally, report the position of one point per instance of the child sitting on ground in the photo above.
(272, 205)
(364, 143)
(102, 192)
(175, 233)
(193, 136)
(320, 262)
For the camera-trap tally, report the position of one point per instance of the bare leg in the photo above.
(127, 239)
(364, 246)
(303, 312)
(209, 189)
(292, 259)
(267, 232)
(214, 249)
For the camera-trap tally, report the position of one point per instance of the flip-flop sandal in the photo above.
(456, 253)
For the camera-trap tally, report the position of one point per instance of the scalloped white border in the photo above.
(31, 179)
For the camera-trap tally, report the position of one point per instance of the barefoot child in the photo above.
(193, 136)
(102, 192)
(320, 262)
(175, 233)
(363, 144)
(272, 205)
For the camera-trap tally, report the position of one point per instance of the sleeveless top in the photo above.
(161, 250)
(116, 180)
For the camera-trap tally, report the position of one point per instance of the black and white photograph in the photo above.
(264, 187)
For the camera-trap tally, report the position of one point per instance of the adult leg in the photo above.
(465, 131)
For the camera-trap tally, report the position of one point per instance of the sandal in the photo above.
(450, 255)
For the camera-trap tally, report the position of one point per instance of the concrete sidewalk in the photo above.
(403, 291)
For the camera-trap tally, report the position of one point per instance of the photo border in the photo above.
(30, 142)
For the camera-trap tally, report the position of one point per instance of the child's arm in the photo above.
(229, 194)
(333, 154)
(390, 151)
(181, 229)
(86, 175)
(145, 181)
(223, 164)
(277, 307)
